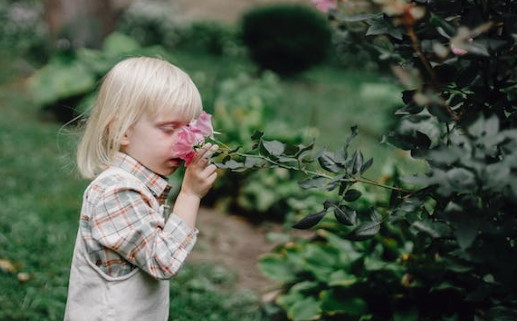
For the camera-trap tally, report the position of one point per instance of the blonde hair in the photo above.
(134, 86)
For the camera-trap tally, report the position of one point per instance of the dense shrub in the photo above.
(285, 38)
(209, 37)
(22, 31)
(443, 245)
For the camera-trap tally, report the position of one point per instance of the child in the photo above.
(128, 246)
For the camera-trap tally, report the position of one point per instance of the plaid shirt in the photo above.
(124, 222)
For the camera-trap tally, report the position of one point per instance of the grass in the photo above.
(41, 197)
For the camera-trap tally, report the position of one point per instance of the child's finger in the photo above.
(208, 151)
(201, 152)
(209, 170)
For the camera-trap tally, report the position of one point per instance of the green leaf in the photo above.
(303, 150)
(314, 182)
(349, 139)
(461, 179)
(345, 215)
(332, 303)
(328, 163)
(306, 309)
(117, 44)
(276, 267)
(433, 229)
(381, 26)
(406, 315)
(360, 17)
(257, 135)
(231, 164)
(61, 79)
(342, 278)
(366, 166)
(355, 163)
(466, 235)
(310, 220)
(352, 195)
(365, 231)
(274, 147)
(438, 22)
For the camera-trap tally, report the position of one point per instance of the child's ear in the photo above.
(124, 141)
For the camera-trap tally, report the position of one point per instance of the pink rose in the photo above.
(203, 125)
(324, 5)
(191, 135)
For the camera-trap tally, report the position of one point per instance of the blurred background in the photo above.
(278, 67)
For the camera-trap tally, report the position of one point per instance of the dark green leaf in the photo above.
(461, 179)
(251, 161)
(439, 111)
(231, 164)
(381, 26)
(351, 195)
(329, 203)
(234, 150)
(310, 220)
(366, 165)
(345, 215)
(314, 182)
(287, 160)
(334, 303)
(365, 231)
(433, 229)
(276, 267)
(274, 147)
(303, 150)
(410, 109)
(349, 139)
(360, 17)
(437, 21)
(466, 235)
(257, 135)
(375, 216)
(355, 163)
(327, 162)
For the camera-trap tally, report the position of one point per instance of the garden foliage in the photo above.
(66, 85)
(286, 39)
(441, 246)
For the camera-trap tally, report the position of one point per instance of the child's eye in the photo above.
(168, 129)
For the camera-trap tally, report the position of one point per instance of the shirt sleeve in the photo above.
(124, 222)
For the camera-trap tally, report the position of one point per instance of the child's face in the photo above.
(151, 139)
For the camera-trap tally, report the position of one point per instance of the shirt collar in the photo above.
(157, 184)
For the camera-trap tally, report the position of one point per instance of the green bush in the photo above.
(443, 245)
(150, 23)
(286, 39)
(65, 87)
(209, 37)
(243, 106)
(22, 31)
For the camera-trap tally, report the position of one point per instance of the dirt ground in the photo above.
(235, 243)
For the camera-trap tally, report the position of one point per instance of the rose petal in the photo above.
(203, 125)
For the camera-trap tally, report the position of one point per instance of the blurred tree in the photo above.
(81, 23)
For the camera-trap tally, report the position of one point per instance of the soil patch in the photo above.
(235, 243)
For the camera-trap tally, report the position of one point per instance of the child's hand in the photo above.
(200, 174)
